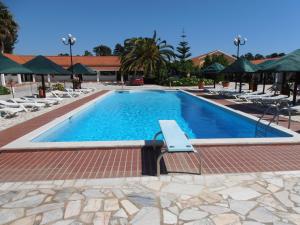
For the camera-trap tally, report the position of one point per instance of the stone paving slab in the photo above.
(250, 199)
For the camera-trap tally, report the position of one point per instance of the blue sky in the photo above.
(269, 25)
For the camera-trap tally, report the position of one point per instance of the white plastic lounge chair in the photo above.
(61, 94)
(12, 105)
(175, 140)
(80, 91)
(26, 104)
(241, 96)
(271, 100)
(47, 102)
(10, 112)
(250, 98)
(75, 92)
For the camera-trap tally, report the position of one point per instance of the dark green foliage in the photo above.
(87, 53)
(102, 50)
(147, 54)
(4, 90)
(258, 56)
(275, 55)
(183, 49)
(58, 86)
(186, 81)
(119, 50)
(8, 30)
(209, 60)
(63, 54)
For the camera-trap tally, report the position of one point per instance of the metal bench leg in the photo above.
(158, 162)
(154, 139)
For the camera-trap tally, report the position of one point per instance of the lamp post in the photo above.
(70, 40)
(238, 41)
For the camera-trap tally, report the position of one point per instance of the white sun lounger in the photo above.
(271, 100)
(175, 140)
(26, 104)
(62, 94)
(12, 105)
(10, 112)
(47, 102)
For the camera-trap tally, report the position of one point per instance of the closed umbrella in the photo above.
(240, 66)
(41, 65)
(213, 69)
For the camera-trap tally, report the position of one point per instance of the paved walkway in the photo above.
(233, 199)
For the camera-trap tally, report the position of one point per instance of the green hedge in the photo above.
(186, 81)
(4, 90)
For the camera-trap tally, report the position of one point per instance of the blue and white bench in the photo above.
(175, 140)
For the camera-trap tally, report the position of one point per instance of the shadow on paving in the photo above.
(149, 156)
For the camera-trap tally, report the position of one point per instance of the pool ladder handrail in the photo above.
(278, 108)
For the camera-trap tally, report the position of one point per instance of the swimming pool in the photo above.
(134, 115)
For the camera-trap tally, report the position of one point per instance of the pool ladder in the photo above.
(261, 129)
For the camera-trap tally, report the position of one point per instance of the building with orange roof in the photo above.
(107, 67)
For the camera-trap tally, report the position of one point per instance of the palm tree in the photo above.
(146, 54)
(8, 29)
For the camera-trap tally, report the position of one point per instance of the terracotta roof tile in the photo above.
(95, 62)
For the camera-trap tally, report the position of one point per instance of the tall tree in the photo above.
(209, 60)
(183, 49)
(258, 56)
(102, 50)
(146, 54)
(119, 50)
(8, 30)
(87, 53)
(248, 56)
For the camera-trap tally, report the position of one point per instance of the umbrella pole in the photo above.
(264, 82)
(240, 83)
(43, 86)
(215, 82)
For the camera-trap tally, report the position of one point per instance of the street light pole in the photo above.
(70, 40)
(238, 41)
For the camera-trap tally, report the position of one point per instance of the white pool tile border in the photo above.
(24, 142)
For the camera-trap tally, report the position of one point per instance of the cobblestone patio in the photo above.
(250, 199)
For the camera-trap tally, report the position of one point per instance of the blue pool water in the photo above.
(134, 115)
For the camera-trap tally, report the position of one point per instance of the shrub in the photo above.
(58, 86)
(4, 90)
(186, 81)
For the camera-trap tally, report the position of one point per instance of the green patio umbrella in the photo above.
(286, 64)
(213, 69)
(240, 66)
(40, 65)
(8, 66)
(79, 68)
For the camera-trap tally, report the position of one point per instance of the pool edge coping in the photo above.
(24, 142)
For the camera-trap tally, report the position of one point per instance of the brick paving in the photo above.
(126, 162)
